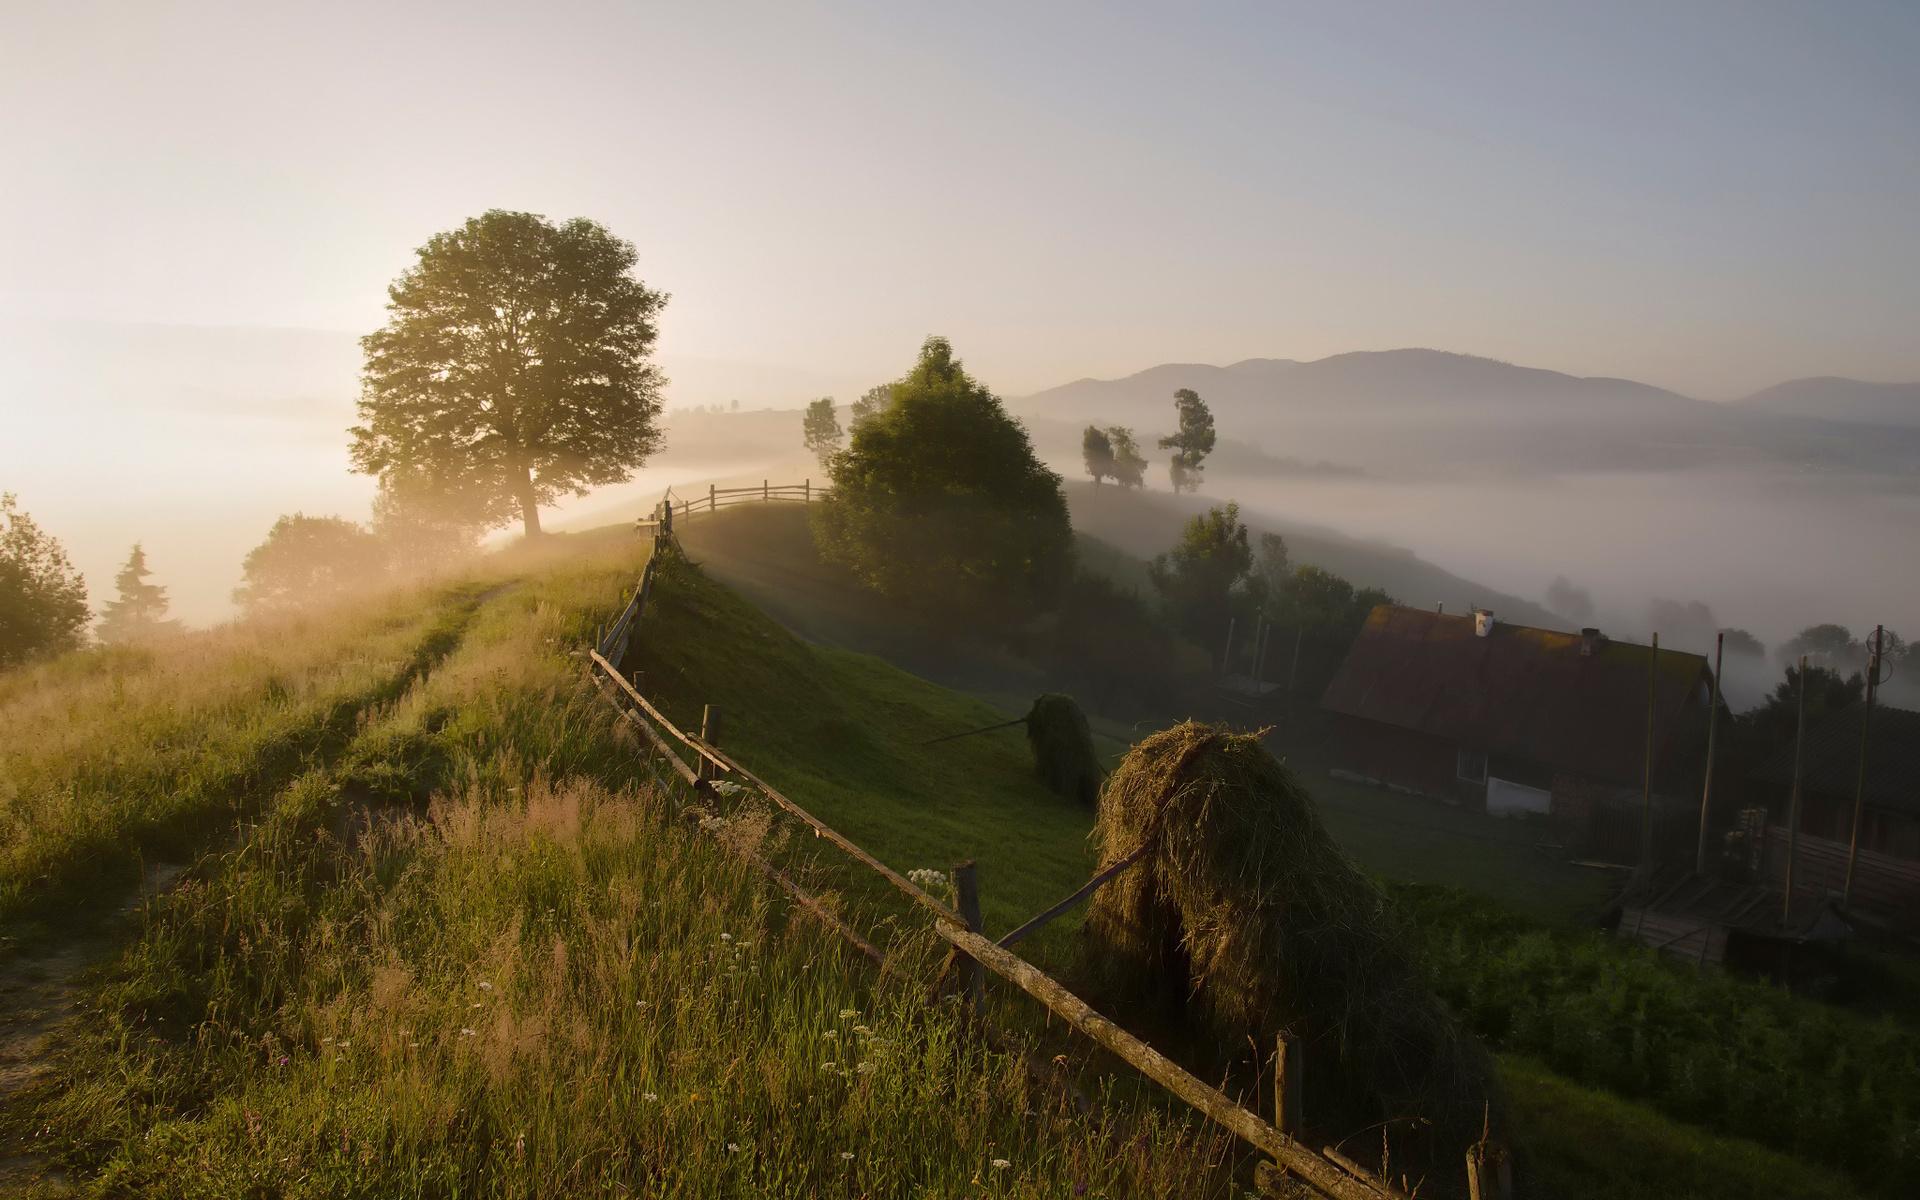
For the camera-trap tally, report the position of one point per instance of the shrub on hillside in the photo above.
(43, 600)
(307, 561)
(940, 504)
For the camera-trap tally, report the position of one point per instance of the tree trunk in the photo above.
(529, 506)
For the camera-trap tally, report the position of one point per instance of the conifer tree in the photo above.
(140, 611)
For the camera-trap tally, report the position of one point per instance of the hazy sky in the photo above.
(1711, 197)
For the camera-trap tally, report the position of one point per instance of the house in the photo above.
(1510, 718)
(1887, 867)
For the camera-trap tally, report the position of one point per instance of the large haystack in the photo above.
(1063, 751)
(1250, 917)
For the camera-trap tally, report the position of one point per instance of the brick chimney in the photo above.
(1591, 640)
(1482, 622)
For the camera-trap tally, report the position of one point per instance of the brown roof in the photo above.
(1519, 691)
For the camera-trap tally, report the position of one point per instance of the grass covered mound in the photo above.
(1247, 915)
(1063, 751)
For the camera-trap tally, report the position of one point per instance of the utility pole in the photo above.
(1793, 801)
(1646, 776)
(1706, 791)
(1860, 776)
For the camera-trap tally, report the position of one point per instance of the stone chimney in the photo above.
(1482, 622)
(1591, 640)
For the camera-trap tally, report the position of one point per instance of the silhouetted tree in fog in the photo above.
(1193, 441)
(1129, 465)
(140, 609)
(1567, 600)
(820, 430)
(1096, 450)
(513, 367)
(307, 561)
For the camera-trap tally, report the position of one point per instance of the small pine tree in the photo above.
(140, 611)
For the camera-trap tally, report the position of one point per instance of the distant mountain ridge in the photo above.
(1833, 398)
(1437, 410)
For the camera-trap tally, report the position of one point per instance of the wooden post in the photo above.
(713, 498)
(806, 490)
(766, 493)
(1646, 775)
(1226, 656)
(1706, 791)
(966, 887)
(1289, 1092)
(1793, 800)
(1860, 777)
(710, 734)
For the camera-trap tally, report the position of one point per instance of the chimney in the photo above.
(1591, 640)
(1482, 622)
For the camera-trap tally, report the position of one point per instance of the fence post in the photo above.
(1289, 1066)
(766, 493)
(710, 734)
(713, 502)
(966, 887)
(806, 490)
(1489, 1173)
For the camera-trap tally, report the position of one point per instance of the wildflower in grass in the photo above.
(650, 1097)
(831, 1035)
(848, 1014)
(465, 1032)
(863, 1031)
(1001, 1164)
(846, 1156)
(485, 986)
(726, 937)
(733, 1147)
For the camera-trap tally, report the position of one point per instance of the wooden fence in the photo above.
(695, 761)
(716, 498)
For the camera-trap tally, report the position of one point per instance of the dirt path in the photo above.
(40, 996)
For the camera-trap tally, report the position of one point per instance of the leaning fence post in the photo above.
(1289, 1088)
(806, 491)
(713, 502)
(710, 735)
(966, 887)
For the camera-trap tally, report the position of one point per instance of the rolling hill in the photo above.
(1830, 398)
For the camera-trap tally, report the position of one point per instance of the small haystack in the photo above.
(1063, 748)
(1250, 917)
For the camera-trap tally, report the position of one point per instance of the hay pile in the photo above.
(1063, 751)
(1248, 916)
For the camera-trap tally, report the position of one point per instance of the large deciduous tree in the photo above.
(513, 367)
(939, 503)
(43, 600)
(1191, 443)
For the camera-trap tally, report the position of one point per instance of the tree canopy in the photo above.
(1096, 450)
(140, 609)
(513, 367)
(939, 502)
(872, 401)
(309, 561)
(1196, 578)
(820, 430)
(1191, 443)
(1129, 466)
(43, 600)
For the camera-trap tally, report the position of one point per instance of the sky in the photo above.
(1709, 197)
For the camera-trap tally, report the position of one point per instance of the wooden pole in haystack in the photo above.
(1793, 799)
(1860, 775)
(1713, 722)
(710, 734)
(1289, 1085)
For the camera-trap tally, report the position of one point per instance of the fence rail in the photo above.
(1326, 1172)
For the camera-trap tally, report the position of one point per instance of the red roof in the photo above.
(1519, 691)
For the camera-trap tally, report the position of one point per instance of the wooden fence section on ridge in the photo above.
(1326, 1172)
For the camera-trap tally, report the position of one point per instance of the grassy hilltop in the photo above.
(432, 932)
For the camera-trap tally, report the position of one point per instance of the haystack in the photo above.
(1063, 751)
(1250, 917)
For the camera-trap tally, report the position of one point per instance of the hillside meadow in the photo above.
(435, 932)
